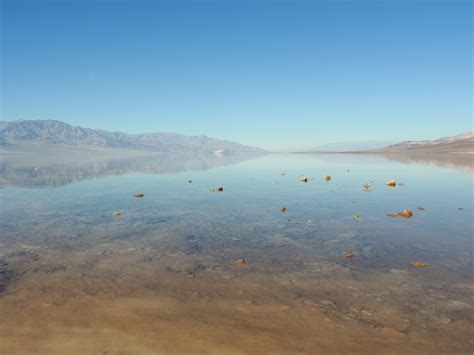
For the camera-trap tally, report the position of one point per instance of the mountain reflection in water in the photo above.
(28, 172)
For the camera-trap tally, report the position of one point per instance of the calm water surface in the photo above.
(165, 276)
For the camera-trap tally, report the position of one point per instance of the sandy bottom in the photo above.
(127, 300)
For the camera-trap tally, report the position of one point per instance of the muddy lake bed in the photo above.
(259, 267)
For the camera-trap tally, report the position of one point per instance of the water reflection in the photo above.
(32, 172)
(460, 161)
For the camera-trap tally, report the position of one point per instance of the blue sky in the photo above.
(273, 74)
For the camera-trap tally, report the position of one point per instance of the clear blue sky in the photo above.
(273, 74)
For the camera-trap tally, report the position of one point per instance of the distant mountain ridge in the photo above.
(57, 132)
(348, 146)
(461, 143)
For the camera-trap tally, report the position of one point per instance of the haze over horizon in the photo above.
(277, 75)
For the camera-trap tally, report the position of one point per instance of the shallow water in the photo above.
(163, 276)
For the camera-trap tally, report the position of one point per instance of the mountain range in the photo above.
(57, 133)
(347, 146)
(462, 143)
(60, 133)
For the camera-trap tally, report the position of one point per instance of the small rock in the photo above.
(406, 214)
(391, 183)
(116, 213)
(419, 264)
(350, 254)
(282, 209)
(327, 178)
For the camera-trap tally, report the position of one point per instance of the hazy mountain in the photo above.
(462, 143)
(351, 146)
(60, 133)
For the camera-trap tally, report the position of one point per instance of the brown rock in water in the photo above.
(366, 187)
(241, 261)
(116, 213)
(350, 254)
(419, 264)
(138, 195)
(282, 209)
(391, 183)
(406, 214)
(304, 179)
(220, 189)
(190, 181)
(327, 178)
